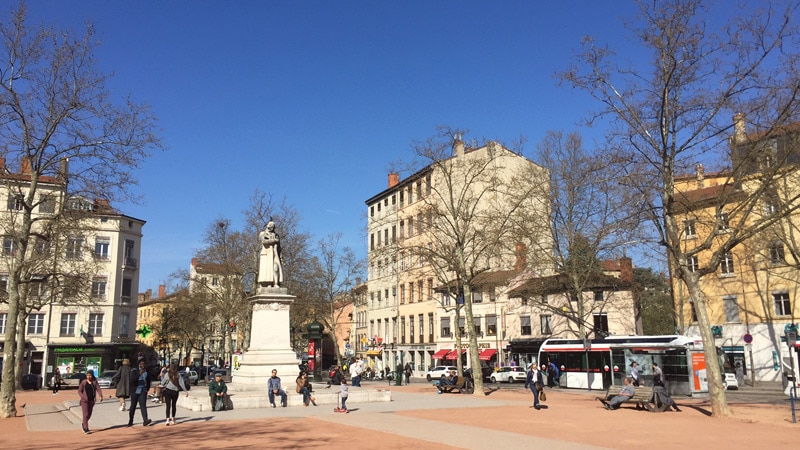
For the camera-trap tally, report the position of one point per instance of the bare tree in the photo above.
(464, 222)
(54, 108)
(340, 270)
(675, 110)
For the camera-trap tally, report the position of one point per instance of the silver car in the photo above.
(104, 380)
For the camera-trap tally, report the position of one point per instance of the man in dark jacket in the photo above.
(140, 384)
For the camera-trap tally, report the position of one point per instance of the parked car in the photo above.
(508, 375)
(72, 380)
(191, 377)
(438, 371)
(730, 381)
(32, 381)
(105, 379)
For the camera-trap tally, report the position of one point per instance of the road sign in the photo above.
(791, 338)
(748, 338)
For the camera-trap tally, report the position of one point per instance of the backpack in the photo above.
(332, 373)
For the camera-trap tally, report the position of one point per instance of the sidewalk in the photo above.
(416, 418)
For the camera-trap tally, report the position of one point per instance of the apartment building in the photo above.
(753, 296)
(400, 320)
(82, 299)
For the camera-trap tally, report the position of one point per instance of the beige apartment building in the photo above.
(92, 323)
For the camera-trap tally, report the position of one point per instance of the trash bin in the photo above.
(31, 381)
(398, 376)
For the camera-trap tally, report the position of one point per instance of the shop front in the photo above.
(95, 357)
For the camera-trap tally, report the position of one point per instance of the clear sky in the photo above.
(312, 100)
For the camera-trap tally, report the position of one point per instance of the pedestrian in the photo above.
(356, 369)
(535, 382)
(658, 375)
(274, 388)
(55, 382)
(140, 385)
(635, 373)
(217, 389)
(407, 373)
(88, 391)
(552, 374)
(343, 392)
(304, 388)
(171, 384)
(123, 382)
(158, 395)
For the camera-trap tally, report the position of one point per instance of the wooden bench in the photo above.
(460, 385)
(641, 400)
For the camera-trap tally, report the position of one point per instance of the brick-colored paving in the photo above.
(418, 419)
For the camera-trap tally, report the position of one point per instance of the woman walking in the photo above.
(123, 382)
(88, 390)
(535, 382)
(171, 384)
(56, 381)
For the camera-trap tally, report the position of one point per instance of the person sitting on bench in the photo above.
(445, 380)
(624, 395)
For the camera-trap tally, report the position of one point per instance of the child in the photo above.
(343, 392)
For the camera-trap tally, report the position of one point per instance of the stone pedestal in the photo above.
(270, 346)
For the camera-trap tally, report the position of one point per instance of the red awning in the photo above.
(440, 354)
(454, 354)
(487, 354)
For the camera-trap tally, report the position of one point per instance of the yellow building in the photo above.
(752, 296)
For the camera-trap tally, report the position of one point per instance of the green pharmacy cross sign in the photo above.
(144, 331)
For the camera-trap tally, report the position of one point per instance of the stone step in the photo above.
(198, 400)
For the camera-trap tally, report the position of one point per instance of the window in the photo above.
(430, 327)
(402, 293)
(723, 221)
(74, 250)
(600, 324)
(782, 303)
(130, 259)
(770, 205)
(692, 264)
(421, 319)
(67, 324)
(372, 241)
(411, 328)
(96, 324)
(402, 229)
(731, 309)
(726, 266)
(598, 296)
(476, 325)
(776, 253)
(127, 284)
(99, 287)
(8, 246)
(689, 230)
(3, 320)
(547, 324)
(445, 327)
(410, 227)
(394, 233)
(491, 325)
(36, 323)
(402, 330)
(16, 202)
(446, 300)
(525, 325)
(477, 297)
(47, 204)
(411, 292)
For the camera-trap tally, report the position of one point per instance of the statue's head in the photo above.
(270, 225)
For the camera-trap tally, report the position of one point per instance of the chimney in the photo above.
(626, 269)
(2, 162)
(394, 179)
(701, 175)
(739, 129)
(522, 259)
(194, 262)
(24, 165)
(458, 146)
(162, 291)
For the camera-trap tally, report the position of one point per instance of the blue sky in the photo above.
(312, 100)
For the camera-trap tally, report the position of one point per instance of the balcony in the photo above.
(130, 263)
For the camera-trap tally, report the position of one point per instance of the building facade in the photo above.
(82, 297)
(752, 297)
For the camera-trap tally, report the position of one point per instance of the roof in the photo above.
(556, 284)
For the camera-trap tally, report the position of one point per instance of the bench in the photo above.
(641, 400)
(460, 385)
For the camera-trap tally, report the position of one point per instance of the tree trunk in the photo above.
(20, 354)
(716, 391)
(474, 357)
(8, 398)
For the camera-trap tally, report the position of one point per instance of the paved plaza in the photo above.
(416, 418)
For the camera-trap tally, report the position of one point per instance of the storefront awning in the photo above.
(378, 351)
(487, 354)
(454, 354)
(441, 353)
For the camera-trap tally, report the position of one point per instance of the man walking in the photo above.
(140, 384)
(274, 388)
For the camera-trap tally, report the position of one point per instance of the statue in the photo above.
(270, 269)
